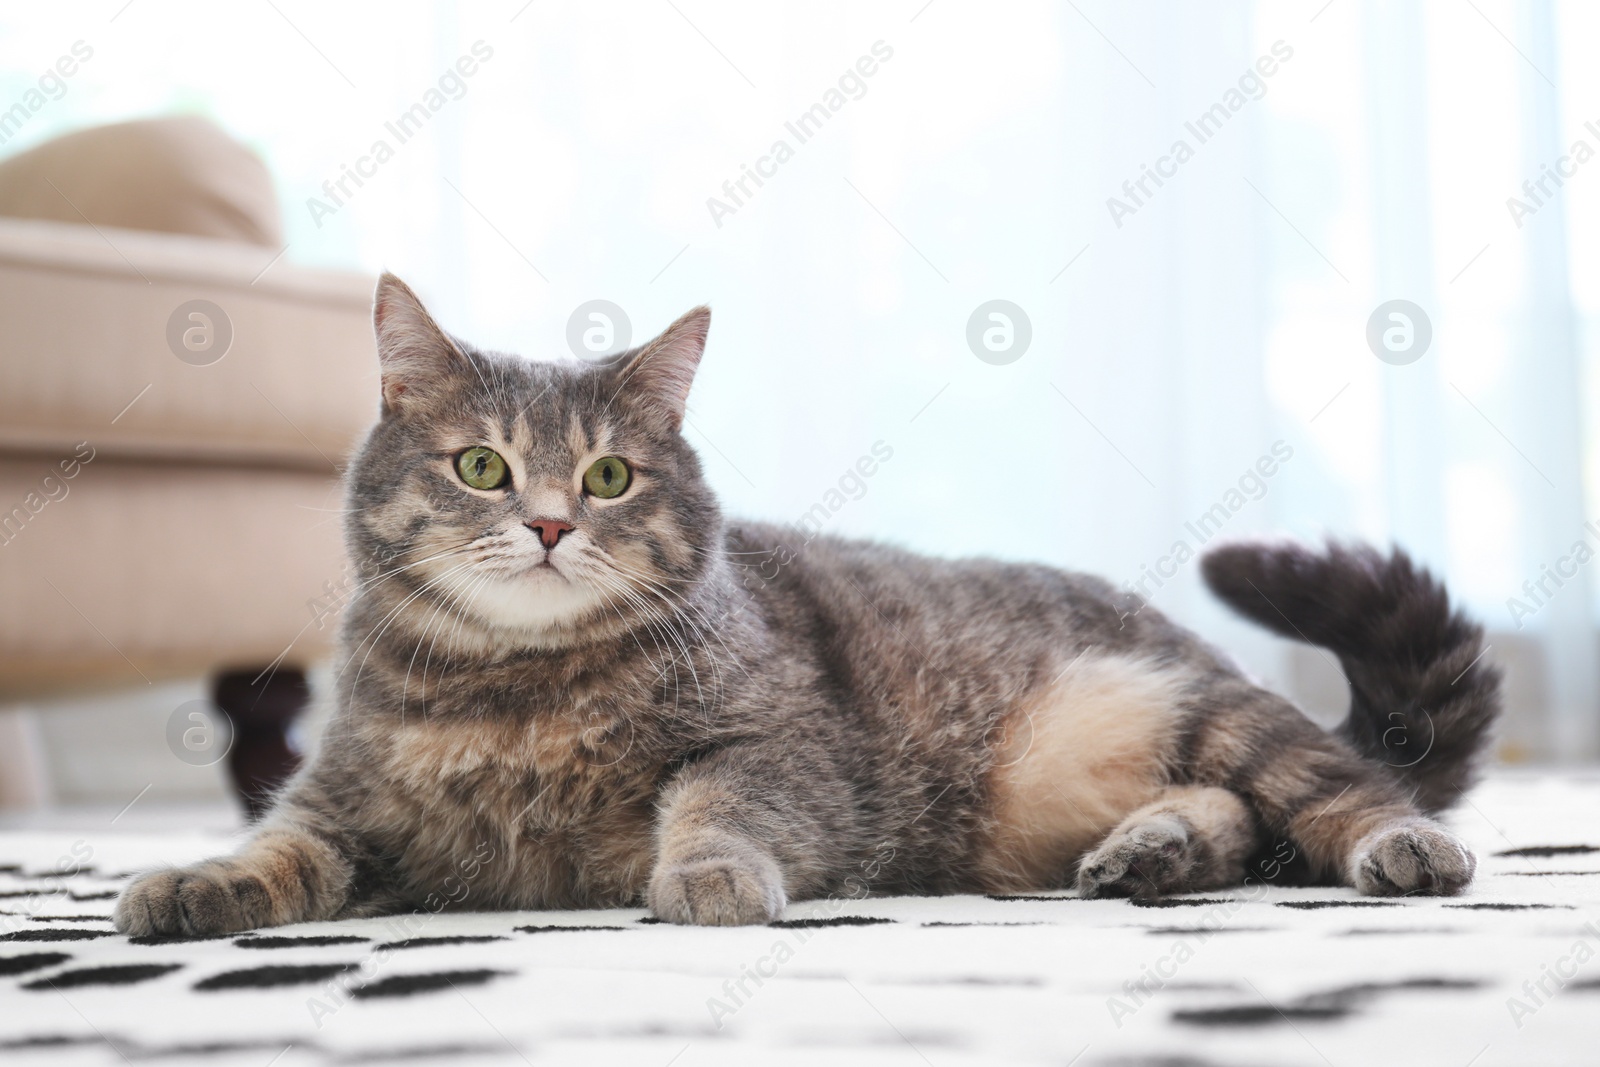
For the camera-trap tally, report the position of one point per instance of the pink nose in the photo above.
(549, 530)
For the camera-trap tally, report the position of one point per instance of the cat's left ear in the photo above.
(416, 357)
(658, 376)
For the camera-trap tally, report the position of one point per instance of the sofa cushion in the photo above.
(119, 572)
(174, 175)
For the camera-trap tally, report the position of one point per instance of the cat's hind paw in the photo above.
(1417, 857)
(1146, 860)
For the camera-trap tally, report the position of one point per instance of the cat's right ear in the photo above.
(656, 377)
(414, 355)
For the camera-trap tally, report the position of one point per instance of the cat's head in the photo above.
(542, 501)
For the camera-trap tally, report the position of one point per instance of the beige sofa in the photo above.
(203, 516)
(169, 500)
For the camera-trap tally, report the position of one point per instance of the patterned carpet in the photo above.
(1268, 976)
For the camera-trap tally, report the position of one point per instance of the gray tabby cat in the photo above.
(567, 682)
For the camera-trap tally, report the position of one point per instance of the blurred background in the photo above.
(1106, 280)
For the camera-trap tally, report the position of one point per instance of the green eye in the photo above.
(606, 477)
(482, 468)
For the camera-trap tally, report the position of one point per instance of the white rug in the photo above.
(1275, 976)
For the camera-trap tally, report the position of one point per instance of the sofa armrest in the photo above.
(85, 355)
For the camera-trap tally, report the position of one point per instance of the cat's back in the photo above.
(944, 640)
(850, 582)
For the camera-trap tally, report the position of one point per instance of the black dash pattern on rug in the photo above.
(837, 920)
(559, 929)
(272, 976)
(444, 1053)
(131, 1051)
(1330, 1005)
(1487, 906)
(1023, 896)
(30, 961)
(452, 939)
(298, 942)
(1207, 931)
(71, 919)
(175, 939)
(1546, 851)
(1318, 905)
(1178, 902)
(52, 1041)
(405, 985)
(1259, 1014)
(52, 934)
(122, 974)
(980, 981)
(1549, 874)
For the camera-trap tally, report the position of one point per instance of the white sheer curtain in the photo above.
(1209, 330)
(1397, 156)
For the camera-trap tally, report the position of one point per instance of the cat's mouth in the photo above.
(504, 569)
(543, 569)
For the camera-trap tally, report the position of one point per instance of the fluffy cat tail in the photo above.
(1422, 699)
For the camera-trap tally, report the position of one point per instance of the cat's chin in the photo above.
(536, 602)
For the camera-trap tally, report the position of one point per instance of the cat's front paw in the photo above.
(734, 891)
(1146, 860)
(1412, 857)
(210, 898)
